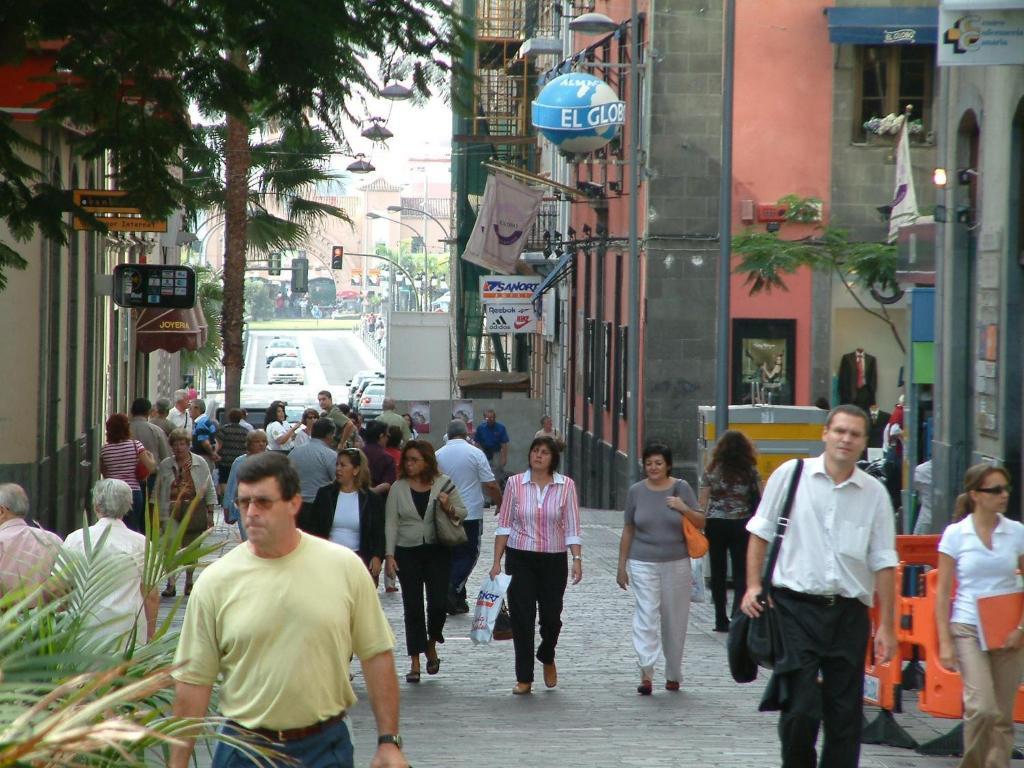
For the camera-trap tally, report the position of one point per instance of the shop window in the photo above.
(888, 78)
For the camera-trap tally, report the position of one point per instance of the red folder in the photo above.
(998, 615)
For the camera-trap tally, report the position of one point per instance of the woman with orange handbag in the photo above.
(655, 560)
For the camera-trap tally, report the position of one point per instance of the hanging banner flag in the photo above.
(373, 277)
(356, 277)
(506, 213)
(904, 199)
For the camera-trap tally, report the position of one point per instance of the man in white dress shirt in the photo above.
(179, 415)
(469, 469)
(839, 547)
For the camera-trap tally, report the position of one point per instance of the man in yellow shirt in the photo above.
(277, 620)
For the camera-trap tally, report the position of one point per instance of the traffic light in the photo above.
(300, 275)
(337, 257)
(274, 263)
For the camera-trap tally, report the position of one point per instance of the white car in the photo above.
(286, 370)
(356, 382)
(281, 346)
(371, 404)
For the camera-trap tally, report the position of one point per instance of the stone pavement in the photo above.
(467, 715)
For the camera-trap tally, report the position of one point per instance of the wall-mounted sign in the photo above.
(578, 113)
(495, 289)
(154, 285)
(109, 206)
(979, 37)
(510, 318)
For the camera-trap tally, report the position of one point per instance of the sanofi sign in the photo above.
(578, 113)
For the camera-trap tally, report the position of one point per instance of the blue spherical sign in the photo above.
(578, 113)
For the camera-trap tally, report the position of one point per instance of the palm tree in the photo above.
(210, 296)
(274, 179)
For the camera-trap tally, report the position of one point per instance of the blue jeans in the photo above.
(464, 557)
(331, 748)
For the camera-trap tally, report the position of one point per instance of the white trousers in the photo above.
(662, 594)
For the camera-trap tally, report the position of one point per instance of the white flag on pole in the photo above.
(507, 212)
(904, 200)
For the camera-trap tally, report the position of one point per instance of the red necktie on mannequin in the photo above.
(860, 370)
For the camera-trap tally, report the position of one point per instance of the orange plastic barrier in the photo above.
(942, 694)
(881, 680)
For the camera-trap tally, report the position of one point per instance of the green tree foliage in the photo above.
(259, 300)
(210, 296)
(128, 71)
(766, 258)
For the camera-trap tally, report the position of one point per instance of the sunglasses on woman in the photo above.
(995, 490)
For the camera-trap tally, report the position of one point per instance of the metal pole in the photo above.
(725, 226)
(633, 334)
(423, 293)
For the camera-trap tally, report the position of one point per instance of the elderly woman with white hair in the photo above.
(127, 605)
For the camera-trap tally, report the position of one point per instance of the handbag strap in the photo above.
(780, 528)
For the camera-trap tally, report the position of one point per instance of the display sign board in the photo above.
(109, 206)
(510, 318)
(504, 289)
(154, 285)
(974, 36)
(578, 112)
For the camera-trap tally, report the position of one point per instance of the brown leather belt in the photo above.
(292, 734)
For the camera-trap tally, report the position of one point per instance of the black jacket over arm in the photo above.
(316, 518)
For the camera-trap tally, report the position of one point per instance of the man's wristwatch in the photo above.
(389, 738)
(578, 557)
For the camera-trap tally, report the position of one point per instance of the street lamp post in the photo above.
(426, 267)
(423, 211)
(402, 270)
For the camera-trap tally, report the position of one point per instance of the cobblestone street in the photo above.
(467, 715)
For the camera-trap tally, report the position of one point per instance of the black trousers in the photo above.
(727, 539)
(830, 640)
(424, 568)
(538, 583)
(464, 557)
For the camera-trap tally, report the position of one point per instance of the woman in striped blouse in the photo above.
(118, 458)
(539, 519)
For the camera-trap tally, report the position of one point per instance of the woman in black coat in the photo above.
(348, 513)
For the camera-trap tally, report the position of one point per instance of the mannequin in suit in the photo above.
(858, 378)
(878, 419)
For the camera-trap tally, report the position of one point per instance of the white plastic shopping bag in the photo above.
(698, 593)
(488, 606)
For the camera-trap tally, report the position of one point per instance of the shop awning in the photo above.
(561, 269)
(171, 330)
(883, 26)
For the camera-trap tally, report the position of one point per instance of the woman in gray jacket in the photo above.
(184, 478)
(413, 552)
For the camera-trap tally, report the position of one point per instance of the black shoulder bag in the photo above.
(759, 642)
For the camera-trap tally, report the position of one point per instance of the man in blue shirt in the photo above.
(492, 437)
(204, 434)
